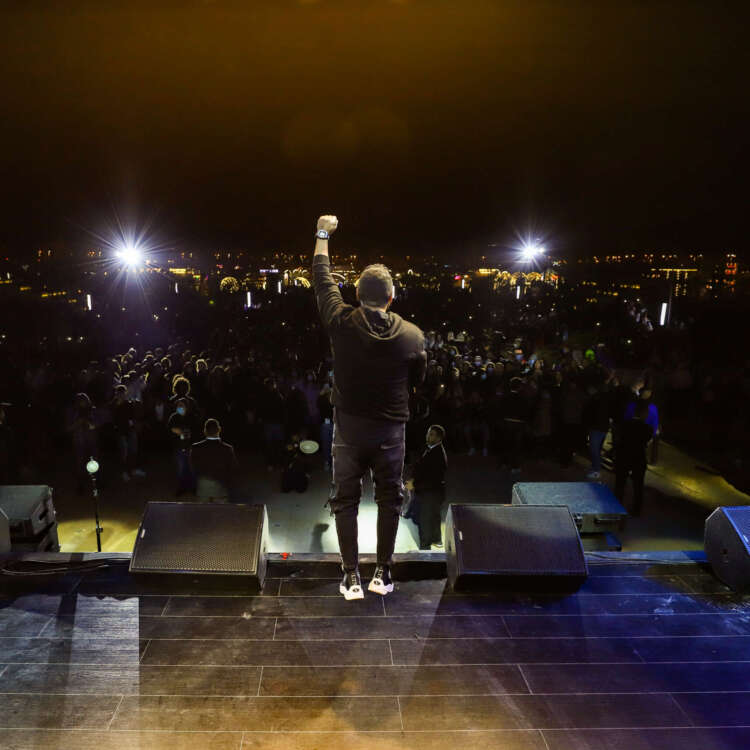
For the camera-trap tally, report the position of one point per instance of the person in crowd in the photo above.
(181, 390)
(596, 417)
(296, 411)
(124, 420)
(136, 384)
(378, 356)
(296, 473)
(541, 422)
(515, 412)
(571, 432)
(82, 429)
(428, 485)
(644, 395)
(199, 384)
(310, 390)
(182, 426)
(476, 424)
(272, 413)
(419, 413)
(652, 419)
(213, 464)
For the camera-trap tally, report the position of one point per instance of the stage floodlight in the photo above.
(531, 250)
(130, 255)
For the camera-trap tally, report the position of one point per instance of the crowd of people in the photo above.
(508, 395)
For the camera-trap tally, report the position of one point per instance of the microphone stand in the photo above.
(92, 467)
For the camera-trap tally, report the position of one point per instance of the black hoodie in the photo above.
(377, 357)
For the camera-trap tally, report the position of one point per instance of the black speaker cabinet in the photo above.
(29, 508)
(727, 543)
(513, 547)
(219, 539)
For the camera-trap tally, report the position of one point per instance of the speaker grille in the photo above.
(199, 537)
(518, 540)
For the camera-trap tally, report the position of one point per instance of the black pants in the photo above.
(514, 434)
(429, 503)
(637, 472)
(360, 444)
(570, 440)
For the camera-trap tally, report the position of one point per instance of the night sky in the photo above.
(424, 125)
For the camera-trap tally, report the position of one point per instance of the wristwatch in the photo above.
(321, 234)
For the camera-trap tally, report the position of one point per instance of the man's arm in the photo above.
(327, 292)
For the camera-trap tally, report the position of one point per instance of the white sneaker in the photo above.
(381, 582)
(125, 476)
(592, 475)
(351, 586)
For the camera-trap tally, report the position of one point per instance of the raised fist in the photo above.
(329, 223)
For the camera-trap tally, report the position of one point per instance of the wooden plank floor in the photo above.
(642, 656)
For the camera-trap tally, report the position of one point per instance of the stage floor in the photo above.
(644, 655)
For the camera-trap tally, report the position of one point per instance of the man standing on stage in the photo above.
(377, 358)
(428, 485)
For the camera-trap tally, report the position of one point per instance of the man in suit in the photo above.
(630, 459)
(428, 485)
(214, 464)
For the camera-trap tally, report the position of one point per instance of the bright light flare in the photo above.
(530, 251)
(130, 255)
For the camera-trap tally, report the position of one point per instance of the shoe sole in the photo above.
(349, 595)
(380, 589)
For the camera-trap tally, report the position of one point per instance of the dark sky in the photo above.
(423, 124)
